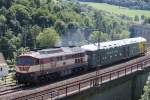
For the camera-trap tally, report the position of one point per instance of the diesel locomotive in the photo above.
(47, 64)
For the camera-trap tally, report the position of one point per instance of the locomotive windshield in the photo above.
(25, 61)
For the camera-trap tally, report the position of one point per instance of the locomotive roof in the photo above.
(53, 52)
(112, 44)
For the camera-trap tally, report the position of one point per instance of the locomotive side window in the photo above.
(73, 56)
(69, 56)
(59, 58)
(76, 55)
(51, 59)
(82, 54)
(79, 60)
(76, 60)
(36, 61)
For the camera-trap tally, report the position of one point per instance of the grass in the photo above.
(118, 10)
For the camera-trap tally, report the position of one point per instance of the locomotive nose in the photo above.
(24, 68)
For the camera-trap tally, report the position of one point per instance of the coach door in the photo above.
(126, 51)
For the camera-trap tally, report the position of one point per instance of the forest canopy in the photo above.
(34, 24)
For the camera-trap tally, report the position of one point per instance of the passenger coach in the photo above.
(113, 51)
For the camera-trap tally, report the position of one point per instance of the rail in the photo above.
(80, 85)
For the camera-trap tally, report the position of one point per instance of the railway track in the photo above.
(72, 85)
(9, 85)
(10, 89)
(8, 80)
(80, 83)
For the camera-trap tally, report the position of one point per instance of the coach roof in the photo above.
(112, 44)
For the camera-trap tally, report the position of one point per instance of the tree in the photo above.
(2, 24)
(98, 36)
(136, 18)
(98, 19)
(72, 27)
(60, 27)
(43, 18)
(146, 95)
(21, 13)
(35, 30)
(22, 50)
(7, 47)
(36, 3)
(69, 16)
(23, 2)
(6, 3)
(48, 38)
(22, 22)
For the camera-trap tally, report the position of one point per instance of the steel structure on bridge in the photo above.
(75, 85)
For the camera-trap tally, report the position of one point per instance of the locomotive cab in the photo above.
(24, 68)
(25, 62)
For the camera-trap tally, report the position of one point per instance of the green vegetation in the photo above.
(34, 24)
(146, 95)
(99, 36)
(47, 38)
(118, 10)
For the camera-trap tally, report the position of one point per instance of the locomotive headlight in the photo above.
(24, 68)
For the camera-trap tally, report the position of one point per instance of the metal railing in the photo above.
(80, 85)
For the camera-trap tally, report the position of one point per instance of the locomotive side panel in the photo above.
(36, 67)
